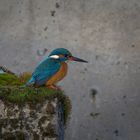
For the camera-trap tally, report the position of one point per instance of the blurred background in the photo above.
(105, 92)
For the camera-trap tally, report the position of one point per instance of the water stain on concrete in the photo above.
(57, 5)
(45, 29)
(124, 97)
(122, 114)
(93, 93)
(94, 115)
(42, 52)
(96, 57)
(85, 69)
(116, 132)
(53, 13)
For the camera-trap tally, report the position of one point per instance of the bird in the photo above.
(52, 69)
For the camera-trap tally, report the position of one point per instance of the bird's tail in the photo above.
(30, 82)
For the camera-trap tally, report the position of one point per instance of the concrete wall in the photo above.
(104, 32)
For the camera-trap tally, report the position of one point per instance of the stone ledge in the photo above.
(39, 121)
(29, 113)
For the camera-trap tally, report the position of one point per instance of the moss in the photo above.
(19, 95)
(9, 79)
(67, 108)
(24, 77)
(13, 91)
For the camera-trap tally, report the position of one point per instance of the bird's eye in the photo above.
(66, 55)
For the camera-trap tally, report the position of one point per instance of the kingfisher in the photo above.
(52, 69)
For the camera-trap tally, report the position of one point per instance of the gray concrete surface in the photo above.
(104, 32)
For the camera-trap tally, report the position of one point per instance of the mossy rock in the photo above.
(12, 90)
(21, 95)
(9, 79)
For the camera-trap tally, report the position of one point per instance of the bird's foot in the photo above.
(54, 87)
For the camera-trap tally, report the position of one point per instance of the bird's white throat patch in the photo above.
(54, 56)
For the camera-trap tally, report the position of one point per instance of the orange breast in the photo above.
(59, 75)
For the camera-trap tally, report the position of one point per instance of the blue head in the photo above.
(62, 55)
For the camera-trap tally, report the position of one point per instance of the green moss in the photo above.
(67, 108)
(9, 79)
(20, 95)
(24, 77)
(12, 90)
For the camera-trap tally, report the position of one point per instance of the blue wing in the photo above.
(44, 71)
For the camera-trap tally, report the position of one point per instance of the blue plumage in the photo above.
(45, 70)
(61, 51)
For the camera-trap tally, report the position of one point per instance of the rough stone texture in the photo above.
(30, 121)
(104, 32)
